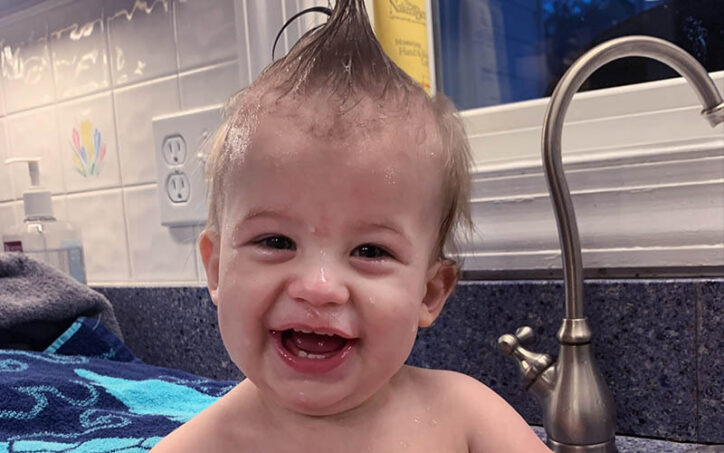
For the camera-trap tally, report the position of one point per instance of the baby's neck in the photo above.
(281, 416)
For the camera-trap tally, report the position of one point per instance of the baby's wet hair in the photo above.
(342, 65)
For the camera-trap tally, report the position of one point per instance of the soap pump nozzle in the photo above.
(36, 200)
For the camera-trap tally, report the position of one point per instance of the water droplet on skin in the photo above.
(417, 420)
(404, 444)
(434, 422)
(390, 176)
(371, 300)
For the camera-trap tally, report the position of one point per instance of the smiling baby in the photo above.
(336, 186)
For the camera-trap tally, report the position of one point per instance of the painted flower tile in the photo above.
(88, 143)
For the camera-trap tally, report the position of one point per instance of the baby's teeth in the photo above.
(311, 331)
(307, 355)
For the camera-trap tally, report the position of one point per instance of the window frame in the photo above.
(640, 151)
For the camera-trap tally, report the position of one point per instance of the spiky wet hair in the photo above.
(342, 64)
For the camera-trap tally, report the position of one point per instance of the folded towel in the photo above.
(38, 303)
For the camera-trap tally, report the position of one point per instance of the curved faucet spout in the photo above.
(630, 46)
(578, 411)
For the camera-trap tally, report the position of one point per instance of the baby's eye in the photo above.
(370, 251)
(276, 242)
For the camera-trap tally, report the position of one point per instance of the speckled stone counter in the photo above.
(659, 343)
(627, 444)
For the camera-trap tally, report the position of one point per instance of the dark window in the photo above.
(499, 51)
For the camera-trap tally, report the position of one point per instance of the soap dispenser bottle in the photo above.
(41, 235)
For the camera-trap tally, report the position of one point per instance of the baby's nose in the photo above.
(319, 285)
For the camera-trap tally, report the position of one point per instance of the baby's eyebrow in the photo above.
(264, 212)
(390, 226)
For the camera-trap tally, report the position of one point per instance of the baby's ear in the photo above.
(441, 279)
(209, 248)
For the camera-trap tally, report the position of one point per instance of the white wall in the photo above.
(117, 64)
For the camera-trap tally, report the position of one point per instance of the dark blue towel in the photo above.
(88, 393)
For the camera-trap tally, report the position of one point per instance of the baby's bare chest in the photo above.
(407, 438)
(360, 443)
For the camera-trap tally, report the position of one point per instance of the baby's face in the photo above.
(324, 265)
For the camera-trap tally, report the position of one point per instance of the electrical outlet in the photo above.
(178, 188)
(174, 150)
(180, 164)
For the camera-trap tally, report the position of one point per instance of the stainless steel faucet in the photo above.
(578, 410)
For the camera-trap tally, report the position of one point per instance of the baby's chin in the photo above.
(318, 399)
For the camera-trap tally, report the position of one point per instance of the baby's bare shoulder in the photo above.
(488, 421)
(209, 431)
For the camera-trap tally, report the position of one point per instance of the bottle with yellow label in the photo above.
(403, 30)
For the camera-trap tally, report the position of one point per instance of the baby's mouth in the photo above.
(307, 344)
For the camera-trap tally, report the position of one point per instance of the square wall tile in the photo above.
(309, 21)
(205, 32)
(27, 78)
(141, 39)
(100, 217)
(200, 270)
(135, 107)
(264, 20)
(35, 134)
(157, 253)
(2, 97)
(6, 186)
(78, 48)
(209, 86)
(60, 207)
(8, 216)
(88, 151)
(302, 24)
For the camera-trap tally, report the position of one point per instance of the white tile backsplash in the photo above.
(27, 78)
(141, 39)
(117, 64)
(7, 216)
(209, 86)
(157, 253)
(100, 217)
(205, 32)
(200, 270)
(268, 18)
(87, 136)
(35, 134)
(2, 94)
(135, 107)
(78, 49)
(6, 182)
(60, 207)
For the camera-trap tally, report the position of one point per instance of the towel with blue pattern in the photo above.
(87, 393)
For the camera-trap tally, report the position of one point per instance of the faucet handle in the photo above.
(525, 335)
(531, 364)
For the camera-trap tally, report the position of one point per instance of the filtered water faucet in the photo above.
(578, 410)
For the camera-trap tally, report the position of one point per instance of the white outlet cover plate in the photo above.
(194, 126)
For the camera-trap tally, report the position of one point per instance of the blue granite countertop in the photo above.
(627, 444)
(658, 343)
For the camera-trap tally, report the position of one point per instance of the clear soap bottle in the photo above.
(41, 235)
